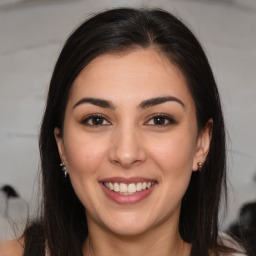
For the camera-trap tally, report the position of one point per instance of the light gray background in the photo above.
(32, 34)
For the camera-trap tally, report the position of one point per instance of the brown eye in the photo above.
(95, 120)
(161, 120)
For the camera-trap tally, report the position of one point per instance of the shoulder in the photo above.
(13, 247)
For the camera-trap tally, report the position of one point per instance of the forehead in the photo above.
(140, 73)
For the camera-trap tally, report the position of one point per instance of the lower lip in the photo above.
(128, 199)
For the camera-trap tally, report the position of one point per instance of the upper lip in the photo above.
(127, 180)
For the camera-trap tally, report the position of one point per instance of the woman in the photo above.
(133, 119)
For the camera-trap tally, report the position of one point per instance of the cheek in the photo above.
(84, 154)
(174, 153)
(174, 158)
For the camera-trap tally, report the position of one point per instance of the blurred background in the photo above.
(32, 33)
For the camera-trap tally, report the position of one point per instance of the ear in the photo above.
(60, 144)
(203, 144)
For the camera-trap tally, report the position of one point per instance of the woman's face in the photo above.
(130, 141)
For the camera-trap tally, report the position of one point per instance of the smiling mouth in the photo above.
(128, 189)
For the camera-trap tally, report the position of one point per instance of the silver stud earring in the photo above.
(64, 169)
(200, 166)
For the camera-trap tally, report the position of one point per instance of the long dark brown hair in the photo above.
(63, 225)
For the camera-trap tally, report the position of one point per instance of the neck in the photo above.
(163, 240)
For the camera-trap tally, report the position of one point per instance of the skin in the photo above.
(129, 143)
(13, 247)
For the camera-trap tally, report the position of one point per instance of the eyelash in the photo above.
(94, 116)
(168, 120)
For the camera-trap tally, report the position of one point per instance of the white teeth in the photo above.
(110, 186)
(139, 186)
(116, 187)
(131, 188)
(123, 188)
(128, 189)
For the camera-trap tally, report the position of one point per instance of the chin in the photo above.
(129, 230)
(128, 225)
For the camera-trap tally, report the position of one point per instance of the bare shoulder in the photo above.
(13, 247)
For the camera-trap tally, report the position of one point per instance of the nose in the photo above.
(127, 147)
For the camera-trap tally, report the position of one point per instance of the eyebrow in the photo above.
(143, 105)
(95, 101)
(159, 100)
